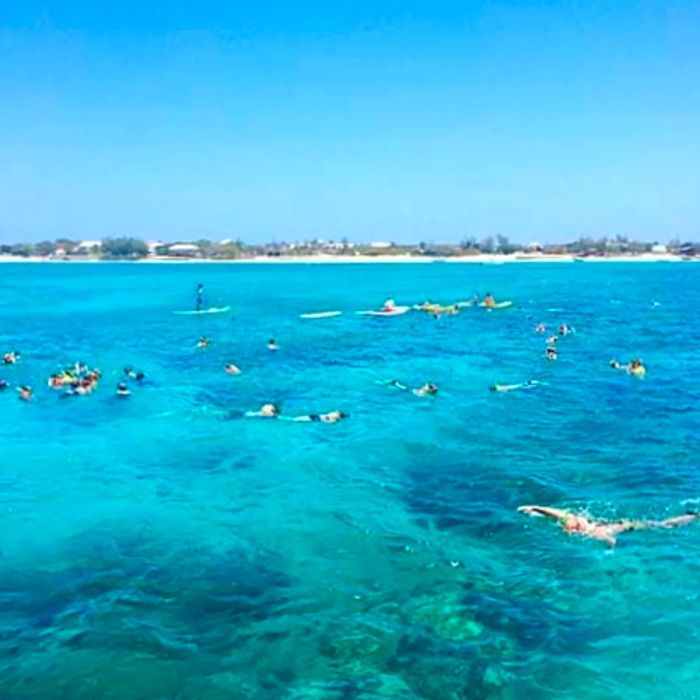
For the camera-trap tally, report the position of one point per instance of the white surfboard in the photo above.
(321, 314)
(204, 312)
(396, 311)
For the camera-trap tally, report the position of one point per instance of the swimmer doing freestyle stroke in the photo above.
(603, 530)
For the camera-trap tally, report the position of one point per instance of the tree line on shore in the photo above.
(129, 248)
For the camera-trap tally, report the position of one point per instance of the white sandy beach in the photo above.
(374, 259)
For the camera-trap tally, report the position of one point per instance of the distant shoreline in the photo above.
(370, 259)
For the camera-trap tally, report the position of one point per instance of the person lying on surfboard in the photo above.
(604, 530)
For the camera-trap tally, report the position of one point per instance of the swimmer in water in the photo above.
(604, 530)
(635, 367)
(396, 384)
(540, 328)
(232, 369)
(565, 330)
(123, 390)
(272, 344)
(200, 297)
(332, 417)
(551, 353)
(504, 388)
(268, 410)
(25, 393)
(203, 342)
(552, 340)
(3, 385)
(428, 389)
(11, 358)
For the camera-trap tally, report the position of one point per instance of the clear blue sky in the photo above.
(371, 120)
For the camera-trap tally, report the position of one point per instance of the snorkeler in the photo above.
(331, 417)
(635, 367)
(123, 390)
(203, 342)
(395, 384)
(428, 389)
(231, 369)
(268, 410)
(200, 296)
(604, 530)
(504, 388)
(25, 393)
(551, 353)
(11, 358)
(272, 344)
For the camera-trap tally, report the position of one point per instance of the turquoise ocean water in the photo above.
(165, 547)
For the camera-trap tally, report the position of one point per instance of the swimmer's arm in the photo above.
(676, 521)
(555, 513)
(628, 525)
(394, 384)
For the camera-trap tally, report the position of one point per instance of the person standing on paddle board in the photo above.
(200, 295)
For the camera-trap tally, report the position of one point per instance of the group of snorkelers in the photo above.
(551, 347)
(12, 358)
(78, 380)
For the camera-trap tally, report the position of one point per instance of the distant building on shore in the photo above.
(153, 246)
(184, 250)
(86, 247)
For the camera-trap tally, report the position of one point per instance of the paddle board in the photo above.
(321, 314)
(204, 312)
(499, 305)
(396, 311)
